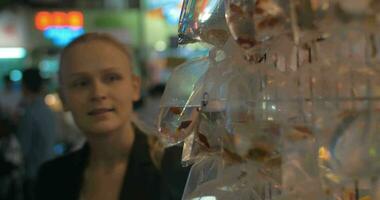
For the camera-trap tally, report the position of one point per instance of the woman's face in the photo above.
(98, 87)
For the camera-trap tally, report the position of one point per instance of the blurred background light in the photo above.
(60, 27)
(171, 9)
(172, 13)
(154, 4)
(15, 75)
(160, 46)
(12, 52)
(61, 36)
(48, 67)
(53, 101)
(45, 19)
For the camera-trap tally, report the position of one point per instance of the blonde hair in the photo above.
(94, 36)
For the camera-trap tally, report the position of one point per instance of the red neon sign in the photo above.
(44, 19)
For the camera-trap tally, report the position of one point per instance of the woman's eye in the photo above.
(80, 83)
(113, 77)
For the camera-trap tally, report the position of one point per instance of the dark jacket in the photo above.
(61, 179)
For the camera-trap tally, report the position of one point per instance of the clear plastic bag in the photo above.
(179, 107)
(203, 20)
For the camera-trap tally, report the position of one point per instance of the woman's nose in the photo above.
(98, 92)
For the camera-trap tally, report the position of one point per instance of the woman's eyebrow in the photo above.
(110, 69)
(81, 73)
(76, 74)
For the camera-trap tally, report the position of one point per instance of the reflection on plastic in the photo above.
(205, 198)
(203, 20)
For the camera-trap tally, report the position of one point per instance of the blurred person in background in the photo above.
(10, 163)
(69, 134)
(119, 160)
(9, 100)
(37, 128)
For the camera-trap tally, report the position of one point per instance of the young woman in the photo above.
(118, 162)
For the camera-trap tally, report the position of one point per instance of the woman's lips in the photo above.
(100, 111)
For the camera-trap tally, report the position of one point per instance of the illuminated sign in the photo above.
(72, 19)
(62, 36)
(60, 27)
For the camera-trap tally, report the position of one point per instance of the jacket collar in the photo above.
(140, 162)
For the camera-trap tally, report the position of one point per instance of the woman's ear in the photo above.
(136, 87)
(62, 97)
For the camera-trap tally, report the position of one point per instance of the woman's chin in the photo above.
(103, 129)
